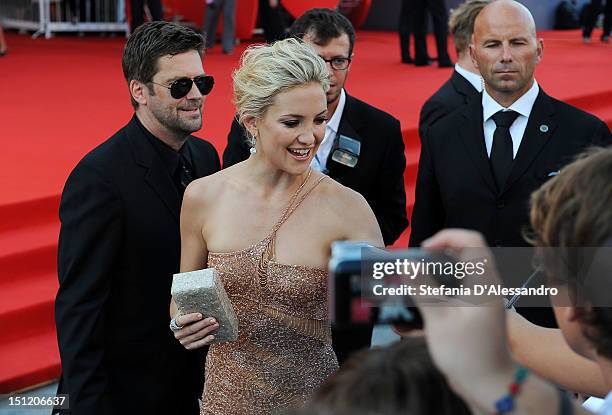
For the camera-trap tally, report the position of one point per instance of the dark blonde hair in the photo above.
(461, 22)
(574, 210)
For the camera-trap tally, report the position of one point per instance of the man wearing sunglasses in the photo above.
(119, 243)
(363, 147)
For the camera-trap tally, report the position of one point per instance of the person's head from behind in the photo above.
(505, 49)
(279, 93)
(461, 24)
(399, 379)
(568, 213)
(333, 37)
(160, 60)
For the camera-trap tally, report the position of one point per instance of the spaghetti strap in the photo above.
(293, 205)
(270, 247)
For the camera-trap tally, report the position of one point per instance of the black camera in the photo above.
(351, 285)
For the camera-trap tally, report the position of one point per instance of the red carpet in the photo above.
(61, 97)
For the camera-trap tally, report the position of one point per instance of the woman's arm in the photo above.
(358, 219)
(197, 329)
(546, 353)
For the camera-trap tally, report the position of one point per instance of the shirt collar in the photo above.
(334, 121)
(523, 105)
(471, 77)
(169, 156)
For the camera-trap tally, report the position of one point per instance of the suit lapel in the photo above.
(463, 86)
(540, 128)
(348, 127)
(472, 136)
(157, 176)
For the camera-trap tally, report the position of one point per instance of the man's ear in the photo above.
(472, 49)
(139, 92)
(540, 49)
(574, 314)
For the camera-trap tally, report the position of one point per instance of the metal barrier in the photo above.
(51, 16)
(23, 15)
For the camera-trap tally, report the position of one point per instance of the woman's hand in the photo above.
(196, 330)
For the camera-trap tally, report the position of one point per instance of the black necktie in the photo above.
(185, 175)
(501, 151)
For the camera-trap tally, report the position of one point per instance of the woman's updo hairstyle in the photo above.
(267, 70)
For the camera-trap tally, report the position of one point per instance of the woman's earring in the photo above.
(253, 150)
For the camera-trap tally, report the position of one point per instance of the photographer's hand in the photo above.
(469, 343)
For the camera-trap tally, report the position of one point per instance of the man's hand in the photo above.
(196, 330)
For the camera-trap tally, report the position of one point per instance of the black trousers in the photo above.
(271, 21)
(591, 17)
(406, 28)
(437, 9)
(137, 7)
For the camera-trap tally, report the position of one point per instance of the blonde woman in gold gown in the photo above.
(266, 225)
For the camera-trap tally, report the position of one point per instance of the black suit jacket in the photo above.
(379, 173)
(455, 185)
(454, 93)
(118, 248)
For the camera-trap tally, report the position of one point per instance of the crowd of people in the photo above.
(502, 163)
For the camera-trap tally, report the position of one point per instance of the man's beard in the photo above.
(173, 121)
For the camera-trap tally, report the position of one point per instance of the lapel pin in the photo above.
(544, 128)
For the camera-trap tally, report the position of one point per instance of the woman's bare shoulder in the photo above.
(338, 198)
(348, 212)
(210, 189)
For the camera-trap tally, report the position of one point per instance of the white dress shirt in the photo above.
(523, 106)
(319, 161)
(471, 77)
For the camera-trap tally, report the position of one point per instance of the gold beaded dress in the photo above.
(283, 351)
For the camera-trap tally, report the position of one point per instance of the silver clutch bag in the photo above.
(202, 292)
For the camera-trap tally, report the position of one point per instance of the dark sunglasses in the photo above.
(182, 86)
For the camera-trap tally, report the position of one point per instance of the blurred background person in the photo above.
(211, 18)
(406, 29)
(437, 10)
(567, 16)
(272, 20)
(591, 13)
(3, 47)
(138, 12)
